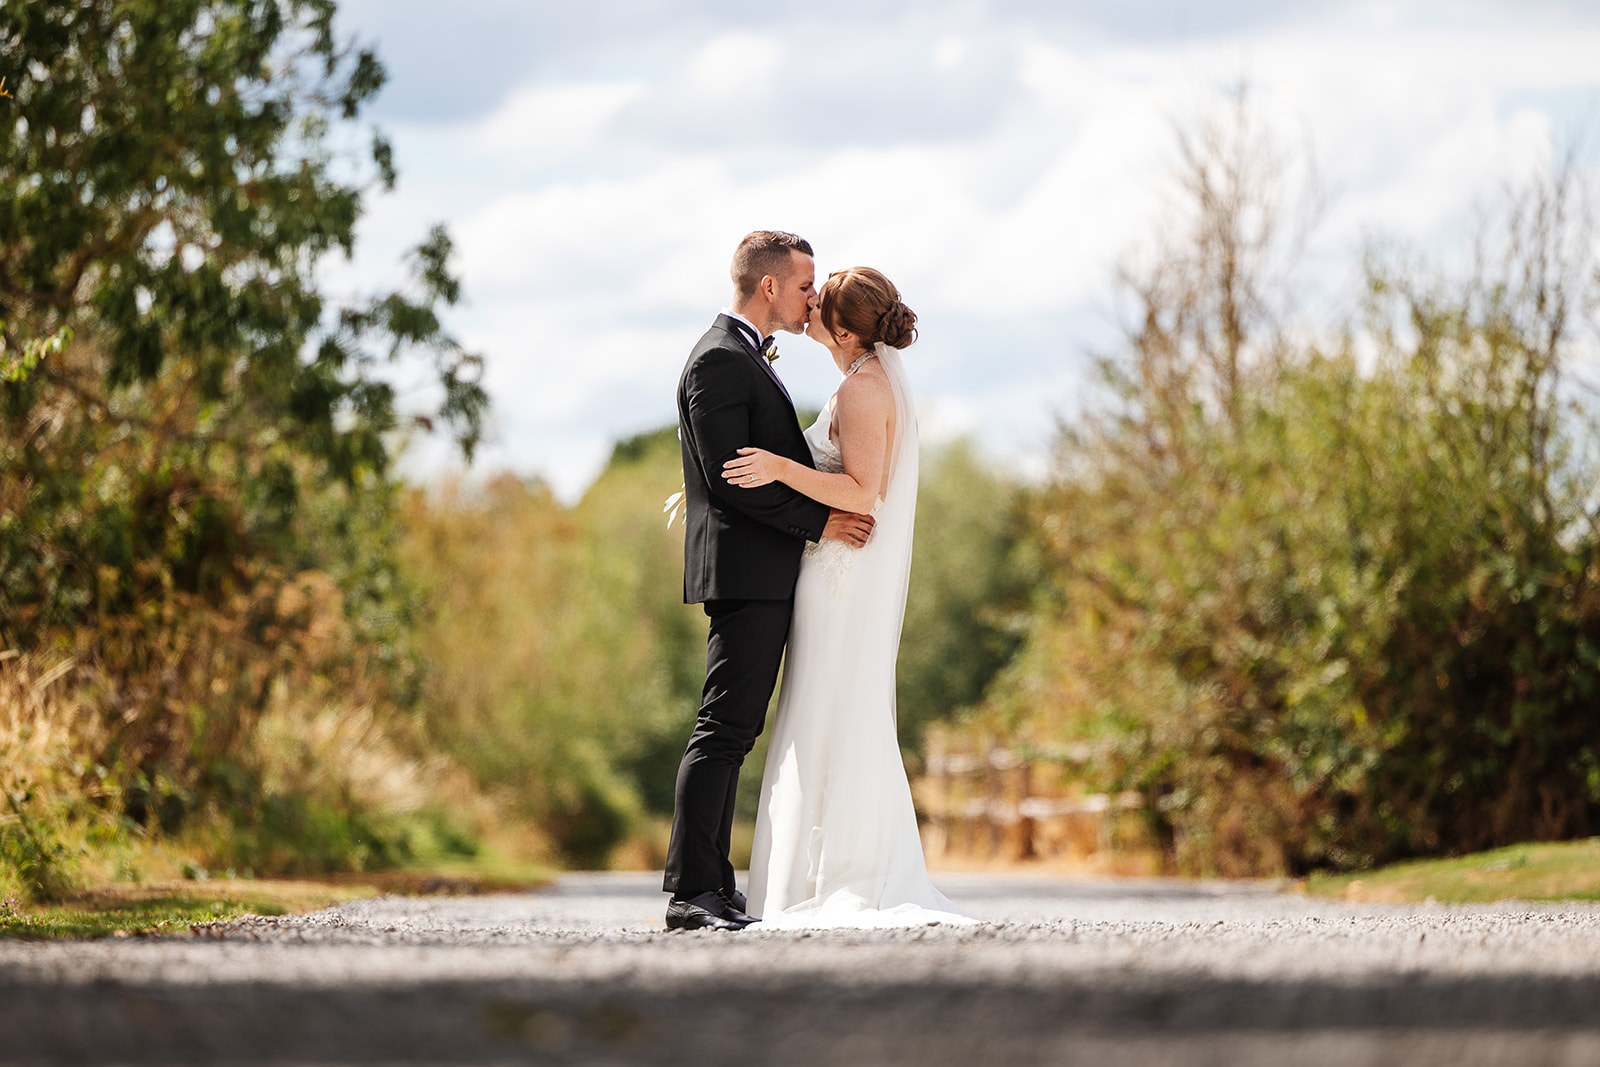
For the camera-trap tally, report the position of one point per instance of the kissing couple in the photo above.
(800, 540)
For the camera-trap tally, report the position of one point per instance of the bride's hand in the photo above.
(754, 467)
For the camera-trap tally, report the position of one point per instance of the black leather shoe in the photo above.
(735, 901)
(708, 911)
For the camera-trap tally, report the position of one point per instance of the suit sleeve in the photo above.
(717, 392)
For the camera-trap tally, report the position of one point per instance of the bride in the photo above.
(836, 840)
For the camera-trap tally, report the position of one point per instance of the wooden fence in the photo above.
(997, 805)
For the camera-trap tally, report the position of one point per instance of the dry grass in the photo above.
(346, 770)
(45, 729)
(43, 720)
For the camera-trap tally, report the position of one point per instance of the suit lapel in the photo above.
(732, 328)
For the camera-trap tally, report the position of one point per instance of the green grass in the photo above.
(177, 907)
(1568, 870)
(167, 908)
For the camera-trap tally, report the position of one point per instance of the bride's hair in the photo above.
(867, 304)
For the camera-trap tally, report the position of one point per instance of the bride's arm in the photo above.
(862, 415)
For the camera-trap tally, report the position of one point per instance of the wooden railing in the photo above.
(998, 805)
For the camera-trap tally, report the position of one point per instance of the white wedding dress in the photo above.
(836, 842)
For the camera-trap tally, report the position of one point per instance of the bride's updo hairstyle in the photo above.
(864, 302)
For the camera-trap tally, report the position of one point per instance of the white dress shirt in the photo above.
(750, 327)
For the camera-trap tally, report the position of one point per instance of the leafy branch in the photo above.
(16, 367)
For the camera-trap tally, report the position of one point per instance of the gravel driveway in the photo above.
(1067, 972)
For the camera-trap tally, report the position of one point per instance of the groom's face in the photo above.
(796, 295)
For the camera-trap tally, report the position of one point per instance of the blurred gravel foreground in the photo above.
(1104, 973)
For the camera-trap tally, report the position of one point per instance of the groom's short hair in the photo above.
(762, 253)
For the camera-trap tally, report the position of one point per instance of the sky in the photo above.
(597, 162)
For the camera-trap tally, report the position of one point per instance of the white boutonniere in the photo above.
(771, 353)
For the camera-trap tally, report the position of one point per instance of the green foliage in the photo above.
(565, 667)
(1326, 610)
(972, 571)
(167, 190)
(168, 186)
(31, 848)
(195, 500)
(566, 670)
(295, 835)
(34, 350)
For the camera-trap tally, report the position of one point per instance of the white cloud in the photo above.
(540, 130)
(997, 174)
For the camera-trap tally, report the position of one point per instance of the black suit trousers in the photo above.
(743, 653)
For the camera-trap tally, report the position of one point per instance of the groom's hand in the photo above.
(848, 527)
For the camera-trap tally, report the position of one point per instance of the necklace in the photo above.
(857, 364)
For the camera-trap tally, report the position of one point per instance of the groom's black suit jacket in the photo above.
(739, 544)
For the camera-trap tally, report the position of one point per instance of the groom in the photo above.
(741, 557)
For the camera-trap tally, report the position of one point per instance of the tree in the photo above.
(170, 179)
(172, 173)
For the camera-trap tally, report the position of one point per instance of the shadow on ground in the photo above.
(1432, 1020)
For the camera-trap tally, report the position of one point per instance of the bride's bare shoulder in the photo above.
(867, 390)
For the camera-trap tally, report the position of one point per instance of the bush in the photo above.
(1330, 605)
(564, 668)
(972, 570)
